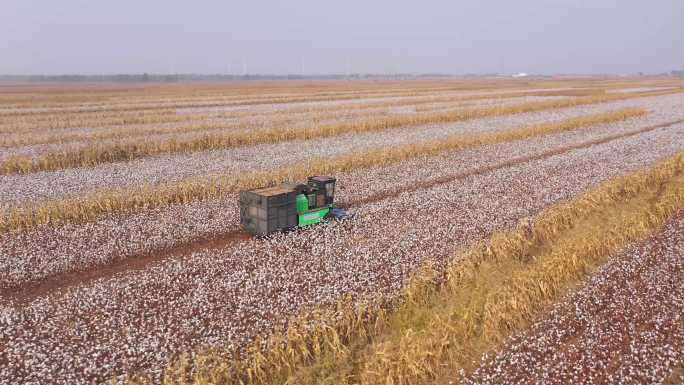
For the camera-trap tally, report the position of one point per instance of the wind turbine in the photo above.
(348, 67)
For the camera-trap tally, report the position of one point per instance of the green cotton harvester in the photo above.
(288, 206)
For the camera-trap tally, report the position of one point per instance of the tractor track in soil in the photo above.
(25, 293)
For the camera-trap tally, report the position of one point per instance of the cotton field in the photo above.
(95, 287)
(623, 327)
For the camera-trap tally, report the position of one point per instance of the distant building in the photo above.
(678, 73)
(520, 75)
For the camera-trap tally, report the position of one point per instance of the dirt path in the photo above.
(25, 293)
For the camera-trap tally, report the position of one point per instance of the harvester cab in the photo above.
(289, 205)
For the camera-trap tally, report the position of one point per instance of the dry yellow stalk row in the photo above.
(123, 127)
(139, 198)
(69, 97)
(154, 93)
(234, 103)
(124, 132)
(44, 122)
(60, 121)
(95, 155)
(27, 131)
(444, 320)
(164, 93)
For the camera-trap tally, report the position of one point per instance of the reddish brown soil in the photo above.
(28, 292)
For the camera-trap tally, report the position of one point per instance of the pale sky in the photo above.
(319, 36)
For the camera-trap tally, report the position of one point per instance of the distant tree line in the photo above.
(169, 78)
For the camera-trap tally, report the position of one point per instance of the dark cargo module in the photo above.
(289, 205)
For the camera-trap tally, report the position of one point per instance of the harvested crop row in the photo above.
(16, 189)
(99, 155)
(624, 326)
(80, 247)
(208, 122)
(246, 91)
(62, 121)
(44, 123)
(100, 204)
(246, 122)
(61, 96)
(133, 105)
(159, 94)
(140, 319)
(248, 119)
(451, 97)
(100, 119)
(488, 291)
(239, 102)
